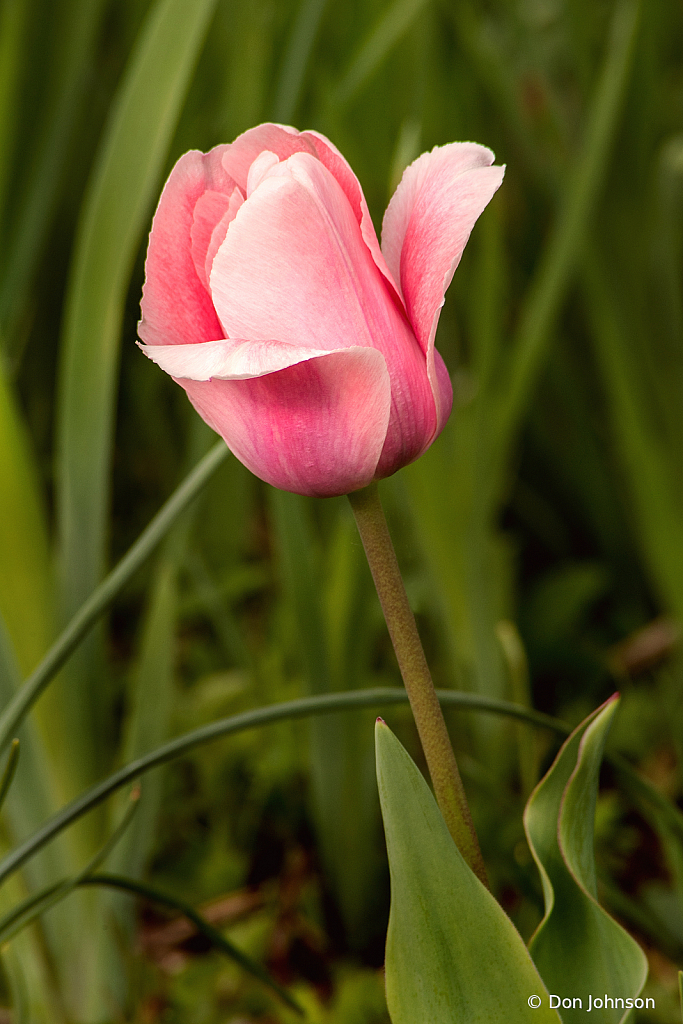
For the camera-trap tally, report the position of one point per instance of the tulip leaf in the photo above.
(580, 951)
(452, 953)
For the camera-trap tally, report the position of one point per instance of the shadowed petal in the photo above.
(176, 306)
(316, 427)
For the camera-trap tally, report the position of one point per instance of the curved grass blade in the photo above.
(580, 951)
(452, 953)
(39, 903)
(216, 937)
(104, 594)
(10, 769)
(301, 708)
(321, 704)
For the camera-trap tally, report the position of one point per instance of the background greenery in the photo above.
(541, 537)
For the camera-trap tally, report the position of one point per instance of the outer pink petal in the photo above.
(229, 358)
(425, 229)
(315, 428)
(176, 307)
(285, 141)
(294, 266)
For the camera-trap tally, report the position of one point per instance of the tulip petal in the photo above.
(176, 306)
(285, 142)
(426, 227)
(228, 358)
(294, 266)
(316, 427)
(209, 211)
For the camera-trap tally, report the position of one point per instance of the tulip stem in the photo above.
(431, 727)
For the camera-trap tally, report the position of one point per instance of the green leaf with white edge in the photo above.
(452, 953)
(580, 951)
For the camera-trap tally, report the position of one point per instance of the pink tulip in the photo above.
(308, 348)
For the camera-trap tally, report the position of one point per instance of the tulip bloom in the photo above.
(305, 345)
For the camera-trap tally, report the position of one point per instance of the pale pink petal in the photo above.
(315, 428)
(425, 229)
(285, 142)
(228, 359)
(176, 306)
(263, 163)
(294, 267)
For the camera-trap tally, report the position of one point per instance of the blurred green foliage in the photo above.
(553, 500)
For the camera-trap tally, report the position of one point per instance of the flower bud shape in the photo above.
(305, 345)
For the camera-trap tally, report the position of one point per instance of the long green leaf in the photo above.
(581, 952)
(452, 953)
(74, 35)
(25, 578)
(120, 193)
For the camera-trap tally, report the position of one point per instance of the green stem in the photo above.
(436, 744)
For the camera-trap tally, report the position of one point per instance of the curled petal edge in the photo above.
(230, 358)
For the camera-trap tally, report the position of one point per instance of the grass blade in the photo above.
(9, 772)
(39, 903)
(296, 58)
(75, 32)
(380, 41)
(102, 597)
(561, 254)
(216, 938)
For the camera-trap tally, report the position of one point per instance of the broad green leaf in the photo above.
(452, 953)
(580, 951)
